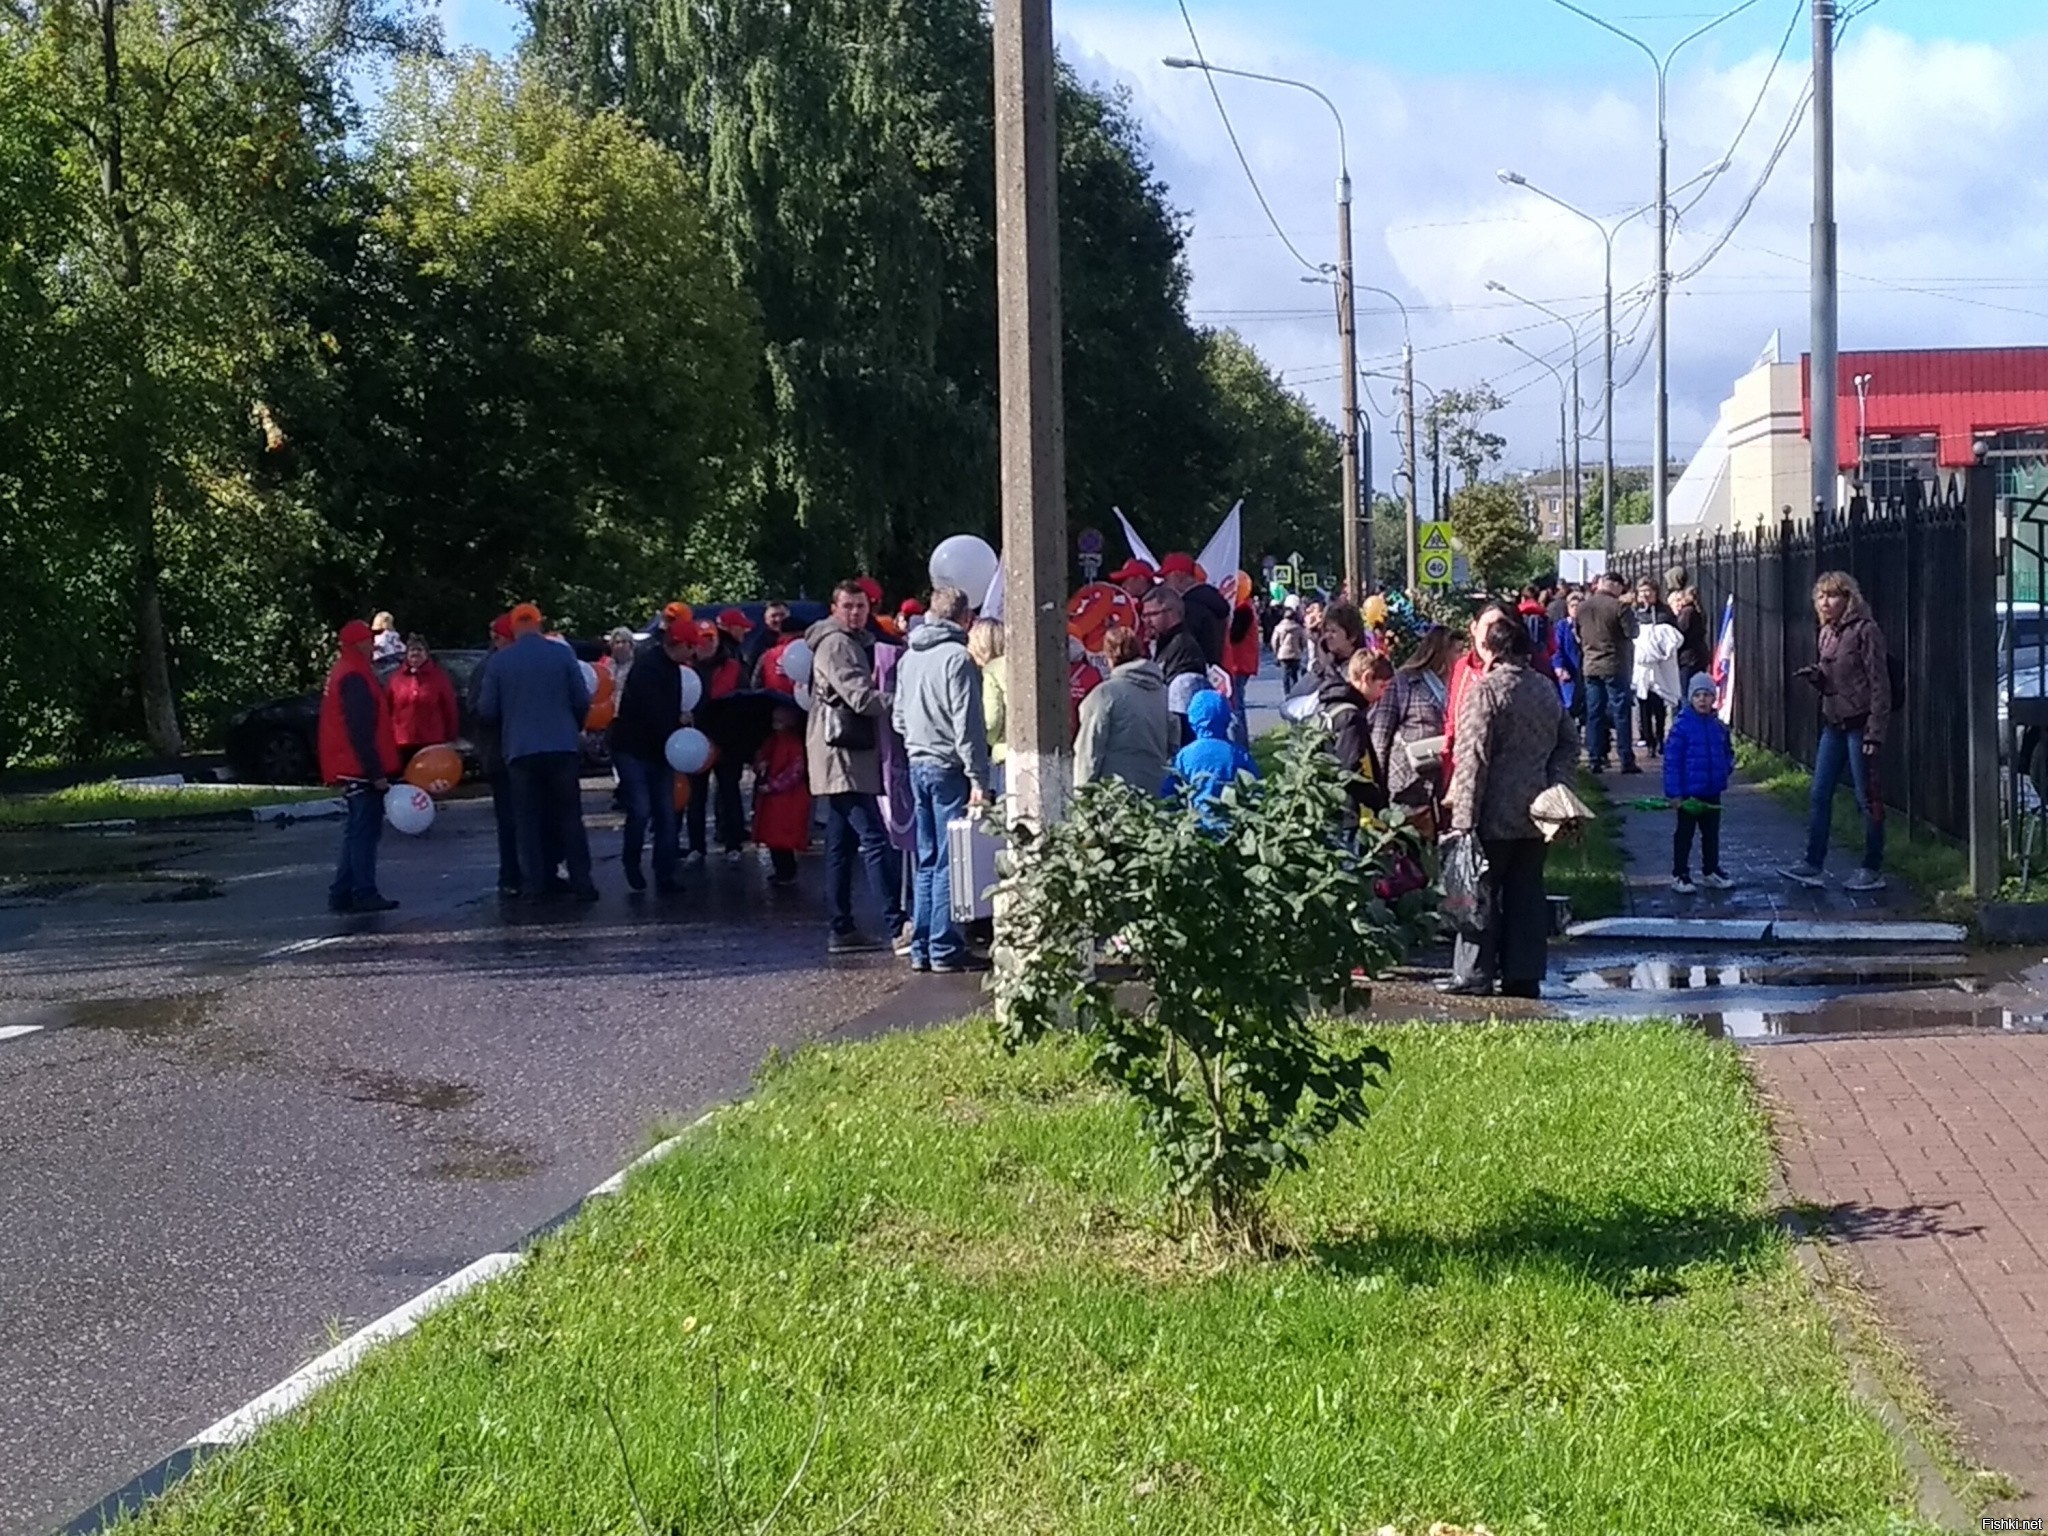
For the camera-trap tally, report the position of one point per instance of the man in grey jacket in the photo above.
(1126, 730)
(938, 715)
(1603, 628)
(842, 744)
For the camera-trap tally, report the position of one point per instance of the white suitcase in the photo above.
(971, 844)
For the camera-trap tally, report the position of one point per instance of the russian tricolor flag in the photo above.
(1724, 663)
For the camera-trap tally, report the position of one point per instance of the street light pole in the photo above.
(1661, 434)
(1578, 481)
(1347, 327)
(1824, 381)
(1414, 523)
(1863, 433)
(1563, 460)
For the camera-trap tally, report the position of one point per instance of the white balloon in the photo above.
(796, 663)
(966, 562)
(688, 750)
(589, 678)
(803, 697)
(409, 809)
(692, 687)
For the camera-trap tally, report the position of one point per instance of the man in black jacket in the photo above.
(649, 712)
(1207, 610)
(1174, 646)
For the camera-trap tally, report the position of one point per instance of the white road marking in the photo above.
(302, 1384)
(15, 1031)
(301, 947)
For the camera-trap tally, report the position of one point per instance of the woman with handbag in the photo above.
(1408, 724)
(1515, 742)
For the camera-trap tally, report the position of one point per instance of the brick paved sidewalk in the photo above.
(1932, 1155)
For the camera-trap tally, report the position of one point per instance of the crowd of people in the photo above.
(893, 725)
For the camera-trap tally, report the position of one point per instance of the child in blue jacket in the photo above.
(1212, 760)
(1699, 760)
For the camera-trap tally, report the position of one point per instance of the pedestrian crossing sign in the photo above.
(1436, 555)
(1283, 575)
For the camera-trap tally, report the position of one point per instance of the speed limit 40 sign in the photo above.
(1436, 555)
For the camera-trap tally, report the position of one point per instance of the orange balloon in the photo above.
(1093, 610)
(437, 770)
(607, 684)
(1238, 589)
(682, 793)
(601, 713)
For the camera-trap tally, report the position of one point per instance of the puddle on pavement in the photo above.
(428, 1093)
(1761, 997)
(144, 1018)
(478, 1159)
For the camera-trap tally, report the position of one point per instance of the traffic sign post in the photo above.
(1284, 575)
(1435, 549)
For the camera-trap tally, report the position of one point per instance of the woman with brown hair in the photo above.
(1853, 677)
(1415, 709)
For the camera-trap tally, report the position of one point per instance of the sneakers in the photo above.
(1804, 874)
(903, 944)
(960, 967)
(1631, 767)
(1714, 880)
(1683, 885)
(386, 904)
(1864, 880)
(853, 942)
(636, 877)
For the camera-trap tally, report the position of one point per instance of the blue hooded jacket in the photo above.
(1212, 760)
(1699, 756)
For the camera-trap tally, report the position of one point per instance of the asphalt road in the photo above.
(244, 1126)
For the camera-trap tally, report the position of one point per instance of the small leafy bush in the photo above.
(1238, 935)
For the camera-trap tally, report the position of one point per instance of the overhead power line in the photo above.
(1224, 112)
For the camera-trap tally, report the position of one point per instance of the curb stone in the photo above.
(290, 1394)
(1934, 1500)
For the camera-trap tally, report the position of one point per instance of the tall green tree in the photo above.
(1458, 418)
(538, 376)
(1283, 459)
(1494, 529)
(195, 135)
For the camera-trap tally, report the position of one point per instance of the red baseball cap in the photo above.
(501, 626)
(525, 613)
(680, 631)
(872, 587)
(733, 619)
(911, 605)
(355, 632)
(1180, 563)
(1133, 570)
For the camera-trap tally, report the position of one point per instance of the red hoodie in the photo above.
(423, 712)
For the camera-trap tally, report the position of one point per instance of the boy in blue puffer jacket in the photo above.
(1212, 760)
(1699, 760)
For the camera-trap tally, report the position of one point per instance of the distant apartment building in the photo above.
(1908, 420)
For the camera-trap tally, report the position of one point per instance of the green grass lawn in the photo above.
(1542, 1290)
(111, 800)
(1588, 869)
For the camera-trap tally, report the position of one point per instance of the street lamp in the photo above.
(1607, 233)
(1414, 523)
(1347, 326)
(1661, 437)
(1563, 462)
(1862, 432)
(1578, 481)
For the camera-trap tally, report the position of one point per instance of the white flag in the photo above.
(1138, 549)
(1221, 556)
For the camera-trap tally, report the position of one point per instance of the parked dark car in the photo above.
(279, 742)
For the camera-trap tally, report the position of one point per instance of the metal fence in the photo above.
(1912, 559)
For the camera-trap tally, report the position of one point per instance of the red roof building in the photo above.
(1935, 406)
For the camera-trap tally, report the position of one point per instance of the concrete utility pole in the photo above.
(1408, 431)
(1033, 432)
(1823, 383)
(1347, 323)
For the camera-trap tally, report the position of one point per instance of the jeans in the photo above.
(1240, 726)
(1290, 674)
(648, 786)
(1654, 716)
(547, 799)
(1709, 824)
(508, 830)
(938, 791)
(1607, 712)
(1842, 747)
(355, 873)
(853, 829)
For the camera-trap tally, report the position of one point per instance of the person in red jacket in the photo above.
(358, 755)
(423, 711)
(782, 795)
(1243, 647)
(718, 668)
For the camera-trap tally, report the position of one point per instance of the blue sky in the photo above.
(1943, 188)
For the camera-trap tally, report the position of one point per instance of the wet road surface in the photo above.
(232, 1127)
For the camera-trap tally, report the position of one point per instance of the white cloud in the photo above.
(1939, 182)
